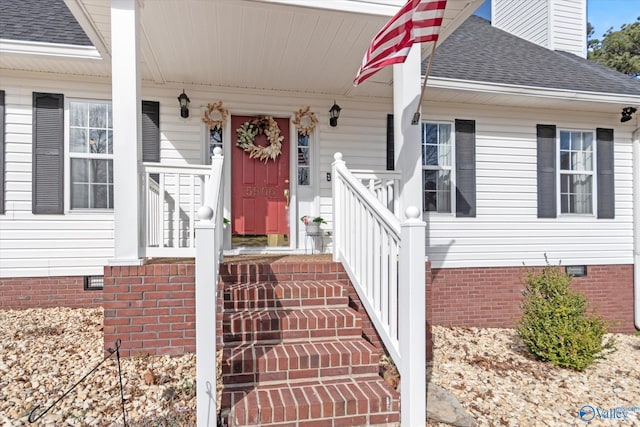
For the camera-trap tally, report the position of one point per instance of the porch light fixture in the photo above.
(627, 112)
(184, 104)
(334, 113)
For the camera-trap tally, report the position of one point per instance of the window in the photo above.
(583, 163)
(576, 172)
(304, 177)
(437, 166)
(91, 155)
(215, 140)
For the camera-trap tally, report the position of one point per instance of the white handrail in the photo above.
(385, 260)
(209, 237)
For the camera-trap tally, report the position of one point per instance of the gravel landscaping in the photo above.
(45, 351)
(494, 378)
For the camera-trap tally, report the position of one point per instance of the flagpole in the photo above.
(416, 115)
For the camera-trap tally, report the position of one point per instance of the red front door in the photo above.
(259, 190)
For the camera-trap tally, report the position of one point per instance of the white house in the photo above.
(520, 155)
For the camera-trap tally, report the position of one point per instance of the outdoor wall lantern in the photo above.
(627, 112)
(334, 113)
(184, 104)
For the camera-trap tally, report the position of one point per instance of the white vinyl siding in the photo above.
(568, 30)
(554, 24)
(526, 19)
(504, 232)
(45, 245)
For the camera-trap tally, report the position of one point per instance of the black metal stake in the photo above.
(124, 414)
(111, 352)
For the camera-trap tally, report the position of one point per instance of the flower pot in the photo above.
(312, 229)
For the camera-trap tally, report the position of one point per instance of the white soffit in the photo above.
(284, 45)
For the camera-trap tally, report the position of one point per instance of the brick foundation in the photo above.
(47, 292)
(151, 308)
(490, 297)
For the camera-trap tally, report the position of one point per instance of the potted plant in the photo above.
(312, 224)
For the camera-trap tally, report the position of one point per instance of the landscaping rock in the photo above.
(444, 407)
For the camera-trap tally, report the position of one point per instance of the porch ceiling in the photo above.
(283, 45)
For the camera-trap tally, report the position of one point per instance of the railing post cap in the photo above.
(337, 156)
(205, 213)
(412, 212)
(217, 151)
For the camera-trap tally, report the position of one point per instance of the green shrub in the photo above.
(555, 325)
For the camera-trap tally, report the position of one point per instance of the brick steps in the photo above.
(294, 361)
(274, 295)
(293, 352)
(277, 325)
(336, 402)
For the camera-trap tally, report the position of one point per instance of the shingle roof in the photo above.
(476, 51)
(40, 21)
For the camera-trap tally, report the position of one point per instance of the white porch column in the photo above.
(125, 86)
(408, 153)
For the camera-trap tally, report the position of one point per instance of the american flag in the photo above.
(418, 21)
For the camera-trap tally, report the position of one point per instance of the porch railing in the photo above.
(172, 197)
(385, 260)
(384, 185)
(209, 238)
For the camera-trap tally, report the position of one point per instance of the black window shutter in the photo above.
(546, 153)
(390, 147)
(465, 168)
(150, 131)
(604, 166)
(1, 152)
(48, 154)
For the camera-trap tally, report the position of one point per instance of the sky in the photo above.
(602, 14)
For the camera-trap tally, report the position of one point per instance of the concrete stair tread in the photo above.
(361, 401)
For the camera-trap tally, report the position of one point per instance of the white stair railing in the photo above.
(383, 184)
(385, 260)
(209, 251)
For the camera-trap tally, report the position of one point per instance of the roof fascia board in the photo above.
(82, 16)
(516, 90)
(48, 49)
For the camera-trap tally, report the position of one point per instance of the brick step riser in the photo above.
(248, 322)
(303, 335)
(272, 378)
(275, 304)
(238, 273)
(301, 357)
(327, 401)
(272, 295)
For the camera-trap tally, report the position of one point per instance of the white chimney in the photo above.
(554, 24)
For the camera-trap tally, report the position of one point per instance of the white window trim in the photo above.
(452, 168)
(68, 155)
(593, 173)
